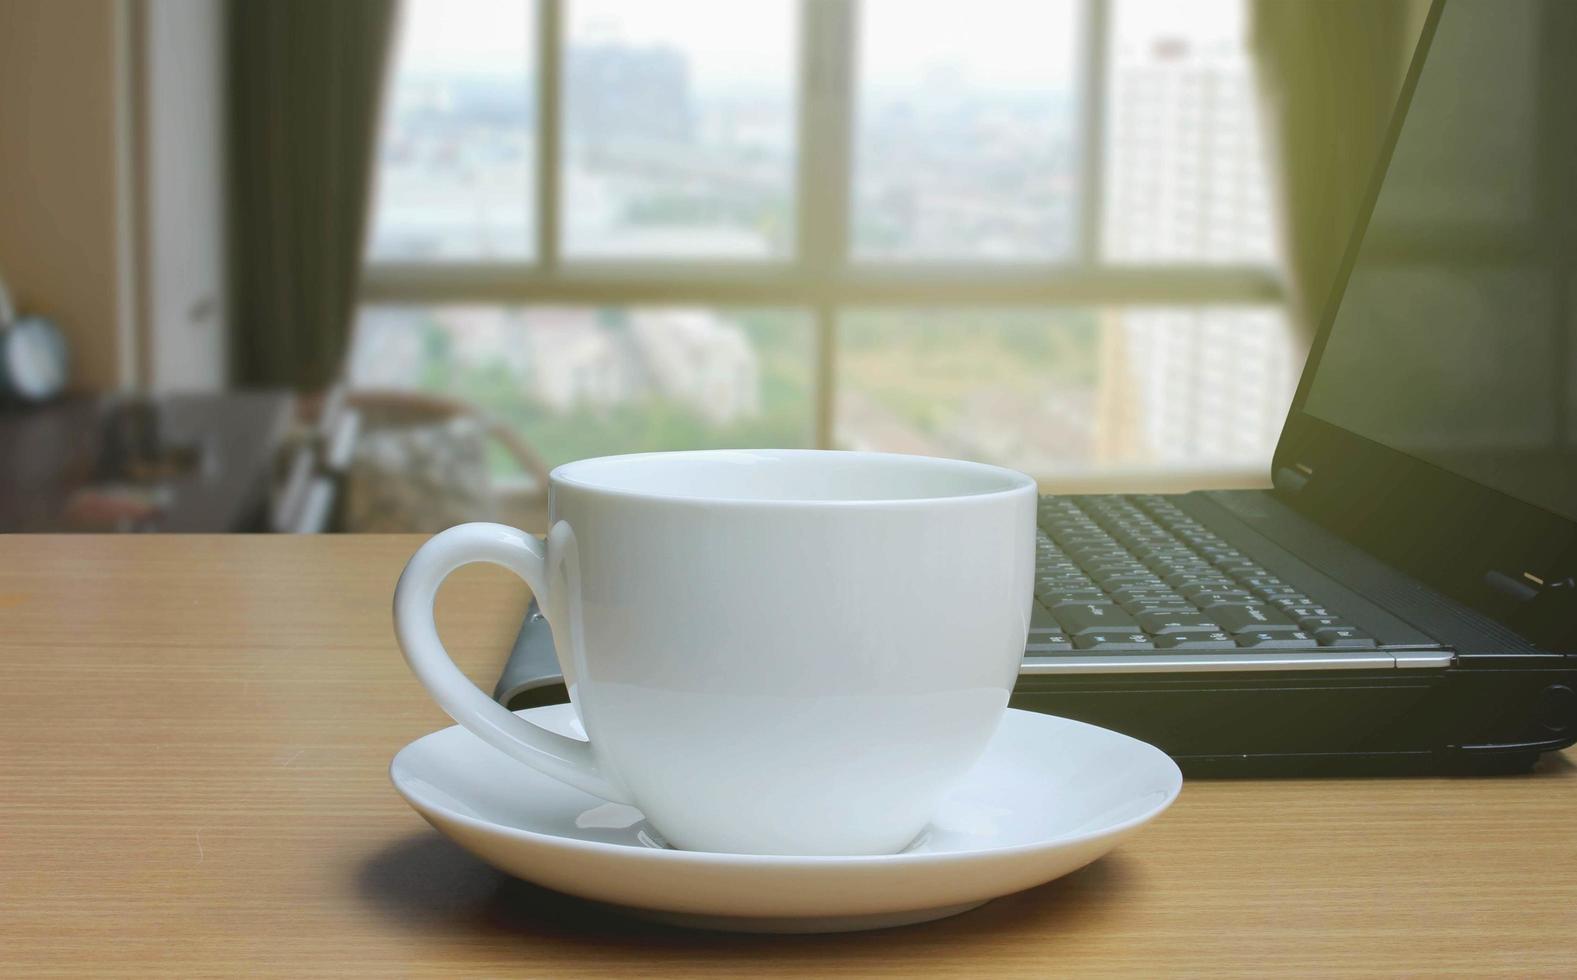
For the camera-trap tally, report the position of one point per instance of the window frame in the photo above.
(820, 277)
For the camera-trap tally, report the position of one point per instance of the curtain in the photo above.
(1329, 73)
(306, 80)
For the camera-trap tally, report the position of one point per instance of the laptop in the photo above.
(1404, 598)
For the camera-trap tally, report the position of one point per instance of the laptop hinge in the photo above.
(1512, 587)
(1546, 606)
(1290, 480)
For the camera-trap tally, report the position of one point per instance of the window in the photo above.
(1036, 233)
(678, 129)
(458, 158)
(967, 136)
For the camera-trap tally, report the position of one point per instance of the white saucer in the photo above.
(1048, 797)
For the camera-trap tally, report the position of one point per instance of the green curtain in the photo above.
(306, 80)
(1329, 73)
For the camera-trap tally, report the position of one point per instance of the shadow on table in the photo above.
(1553, 764)
(429, 885)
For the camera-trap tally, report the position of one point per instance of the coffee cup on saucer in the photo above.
(784, 652)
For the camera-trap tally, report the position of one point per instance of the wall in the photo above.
(61, 170)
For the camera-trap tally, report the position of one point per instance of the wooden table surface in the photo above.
(194, 733)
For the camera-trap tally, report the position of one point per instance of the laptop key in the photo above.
(1080, 532)
(1093, 550)
(1344, 636)
(1291, 601)
(1200, 588)
(1113, 642)
(1083, 597)
(1273, 596)
(1214, 551)
(1253, 619)
(1224, 597)
(1144, 592)
(1263, 640)
(1160, 624)
(1165, 607)
(1193, 640)
(1113, 563)
(1298, 612)
(1041, 621)
(1199, 581)
(1064, 587)
(1110, 570)
(1057, 605)
(1313, 624)
(1093, 618)
(1063, 567)
(1237, 569)
(1119, 579)
(1048, 643)
(1062, 573)
(1147, 603)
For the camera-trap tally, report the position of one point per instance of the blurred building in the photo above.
(568, 358)
(1189, 389)
(699, 360)
(574, 361)
(1186, 175)
(1187, 183)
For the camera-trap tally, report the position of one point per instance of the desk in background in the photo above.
(194, 733)
(51, 455)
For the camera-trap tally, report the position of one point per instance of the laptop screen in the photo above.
(1455, 341)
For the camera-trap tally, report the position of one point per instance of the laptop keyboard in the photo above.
(1133, 574)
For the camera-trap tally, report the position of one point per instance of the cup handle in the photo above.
(567, 759)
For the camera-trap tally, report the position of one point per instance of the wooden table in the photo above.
(193, 740)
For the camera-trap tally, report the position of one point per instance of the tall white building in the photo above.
(1187, 183)
(1186, 175)
(697, 358)
(1194, 388)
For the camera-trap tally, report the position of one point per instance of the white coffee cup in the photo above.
(772, 652)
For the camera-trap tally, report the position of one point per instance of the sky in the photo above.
(1004, 44)
(492, 37)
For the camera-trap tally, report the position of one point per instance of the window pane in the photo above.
(457, 156)
(679, 129)
(966, 137)
(583, 381)
(1185, 170)
(1068, 392)
(1185, 388)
